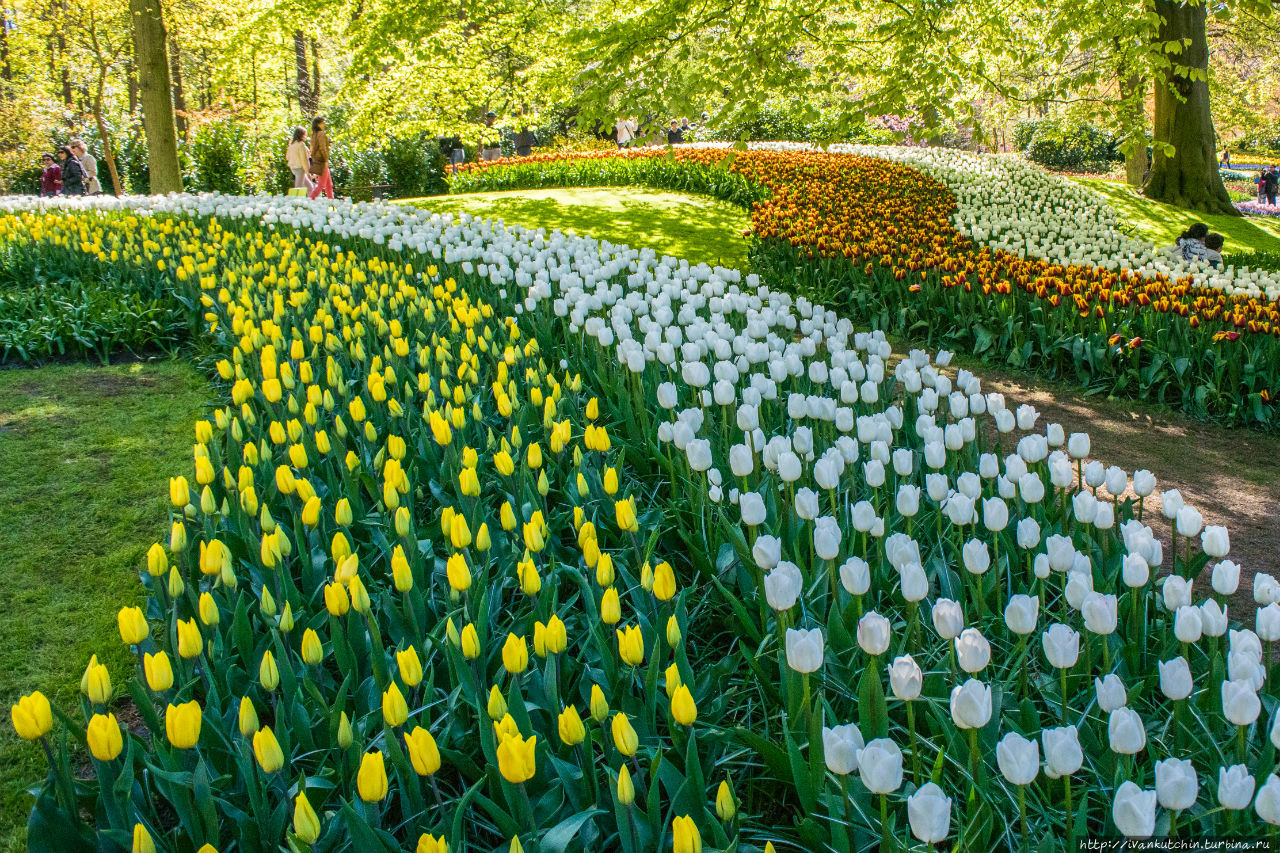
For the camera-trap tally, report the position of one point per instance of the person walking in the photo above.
(298, 158)
(1261, 182)
(1272, 185)
(320, 159)
(72, 172)
(626, 131)
(90, 165)
(50, 177)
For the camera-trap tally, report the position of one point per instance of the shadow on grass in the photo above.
(1163, 223)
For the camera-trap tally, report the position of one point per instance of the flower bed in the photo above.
(1039, 274)
(497, 540)
(1254, 208)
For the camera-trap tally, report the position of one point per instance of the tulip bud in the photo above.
(142, 842)
(599, 705)
(104, 738)
(624, 736)
(1134, 811)
(345, 735)
(1176, 784)
(371, 781)
(306, 825)
(726, 807)
(248, 717)
(267, 750)
(157, 670)
(880, 763)
(1018, 759)
(840, 746)
(1235, 787)
(423, 752)
(626, 790)
(268, 674)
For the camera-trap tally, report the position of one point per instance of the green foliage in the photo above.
(1067, 146)
(414, 167)
(217, 155)
(1257, 260)
(78, 306)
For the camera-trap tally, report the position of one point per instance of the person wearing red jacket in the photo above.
(50, 177)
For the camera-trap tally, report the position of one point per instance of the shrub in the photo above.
(413, 167)
(217, 153)
(1067, 146)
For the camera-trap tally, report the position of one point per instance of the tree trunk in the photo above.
(6, 67)
(105, 136)
(131, 78)
(151, 50)
(1189, 176)
(303, 73)
(66, 70)
(315, 76)
(179, 100)
(1133, 123)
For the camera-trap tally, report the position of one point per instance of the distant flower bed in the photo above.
(1253, 208)
(976, 252)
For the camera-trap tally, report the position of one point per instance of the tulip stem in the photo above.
(1071, 818)
(1243, 744)
(975, 759)
(1062, 680)
(1173, 823)
(1022, 813)
(884, 824)
(915, 747)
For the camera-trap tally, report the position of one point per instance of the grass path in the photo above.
(683, 226)
(87, 452)
(1163, 223)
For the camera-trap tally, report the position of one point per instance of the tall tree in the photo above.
(306, 90)
(1184, 165)
(150, 48)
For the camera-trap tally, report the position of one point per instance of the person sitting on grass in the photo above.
(1190, 246)
(1213, 249)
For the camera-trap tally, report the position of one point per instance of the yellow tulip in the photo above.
(190, 640)
(182, 724)
(459, 532)
(142, 842)
(507, 516)
(157, 560)
(248, 717)
(530, 580)
(610, 482)
(179, 492)
(177, 537)
(345, 735)
(400, 572)
(664, 582)
(175, 583)
(483, 541)
(267, 750)
(624, 512)
(209, 613)
(626, 788)
(312, 649)
(593, 409)
(97, 684)
(684, 836)
(504, 463)
(497, 707)
(726, 807)
(342, 513)
(359, 595)
(631, 645)
(610, 607)
(458, 573)
(515, 654)
(158, 671)
(306, 825)
(599, 705)
(423, 753)
(673, 631)
(569, 724)
(133, 625)
(683, 708)
(268, 673)
(335, 599)
(32, 716)
(604, 569)
(624, 736)
(371, 781)
(516, 758)
(534, 456)
(410, 666)
(470, 642)
(402, 521)
(430, 844)
(394, 708)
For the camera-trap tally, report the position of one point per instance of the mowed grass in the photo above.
(86, 453)
(1163, 223)
(683, 226)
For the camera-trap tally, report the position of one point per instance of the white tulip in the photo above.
(783, 585)
(1215, 542)
(971, 704)
(1061, 646)
(1125, 731)
(805, 649)
(977, 559)
(1226, 576)
(995, 514)
(1018, 759)
(948, 619)
(826, 538)
(972, 651)
(1213, 618)
(1267, 804)
(1189, 521)
(1235, 787)
(1134, 811)
(1062, 753)
(874, 633)
(1111, 692)
(1021, 613)
(880, 762)
(751, 505)
(1078, 445)
(855, 576)
(1188, 624)
(1240, 702)
(905, 678)
(1100, 613)
(1175, 678)
(929, 813)
(1176, 784)
(840, 747)
(1268, 622)
(1144, 482)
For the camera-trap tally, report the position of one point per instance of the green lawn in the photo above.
(684, 226)
(1163, 223)
(86, 453)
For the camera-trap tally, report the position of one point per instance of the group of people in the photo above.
(1268, 184)
(1198, 243)
(626, 132)
(74, 171)
(309, 160)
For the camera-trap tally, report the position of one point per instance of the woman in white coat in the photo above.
(298, 158)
